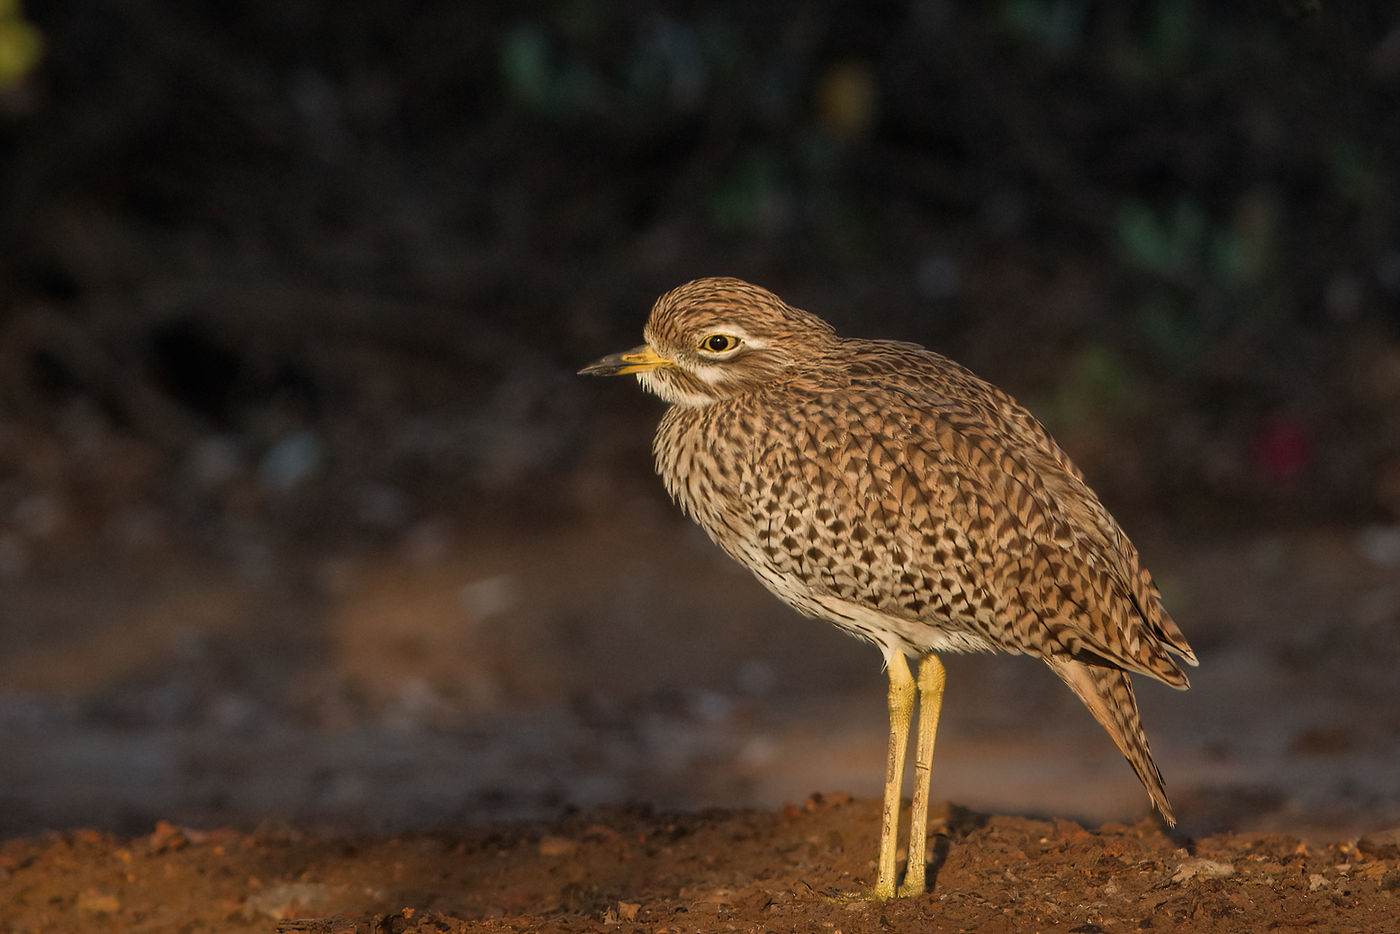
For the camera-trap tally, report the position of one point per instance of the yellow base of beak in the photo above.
(637, 360)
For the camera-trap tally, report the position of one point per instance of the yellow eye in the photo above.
(719, 343)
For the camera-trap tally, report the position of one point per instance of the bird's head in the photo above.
(712, 339)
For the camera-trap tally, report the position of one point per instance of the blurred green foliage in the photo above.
(1166, 244)
(1098, 386)
(1055, 25)
(1166, 39)
(1203, 273)
(542, 82)
(21, 44)
(1184, 245)
(1358, 172)
(748, 194)
(1149, 41)
(569, 67)
(787, 120)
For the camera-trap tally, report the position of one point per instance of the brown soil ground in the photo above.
(803, 868)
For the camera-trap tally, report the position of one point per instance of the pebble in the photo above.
(1202, 869)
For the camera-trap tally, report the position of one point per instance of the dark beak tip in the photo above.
(615, 363)
(606, 366)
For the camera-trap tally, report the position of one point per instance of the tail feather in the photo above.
(1108, 694)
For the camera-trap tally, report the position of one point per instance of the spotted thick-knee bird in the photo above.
(887, 489)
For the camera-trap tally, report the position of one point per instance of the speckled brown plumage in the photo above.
(887, 489)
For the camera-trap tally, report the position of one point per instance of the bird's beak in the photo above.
(637, 360)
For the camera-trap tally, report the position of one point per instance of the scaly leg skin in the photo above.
(901, 699)
(931, 680)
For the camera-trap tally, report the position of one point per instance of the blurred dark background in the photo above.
(301, 504)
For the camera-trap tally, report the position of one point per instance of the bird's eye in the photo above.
(719, 343)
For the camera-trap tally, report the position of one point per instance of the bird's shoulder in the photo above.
(915, 403)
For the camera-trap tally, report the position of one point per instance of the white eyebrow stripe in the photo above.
(734, 330)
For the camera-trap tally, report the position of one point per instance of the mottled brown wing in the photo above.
(949, 520)
(1011, 438)
(1055, 551)
(1044, 460)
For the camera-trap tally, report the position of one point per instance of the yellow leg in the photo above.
(931, 680)
(901, 699)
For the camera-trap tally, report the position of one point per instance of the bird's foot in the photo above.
(880, 892)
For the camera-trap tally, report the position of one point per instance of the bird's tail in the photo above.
(1108, 694)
